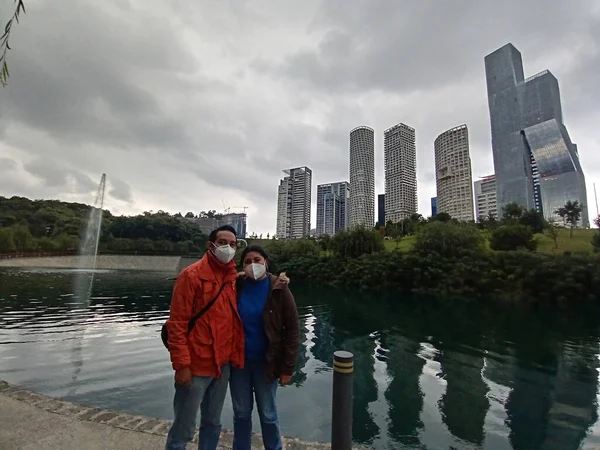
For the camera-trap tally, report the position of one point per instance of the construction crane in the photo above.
(239, 207)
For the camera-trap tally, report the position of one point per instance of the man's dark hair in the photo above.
(212, 237)
(253, 248)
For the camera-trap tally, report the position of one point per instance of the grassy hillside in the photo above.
(580, 243)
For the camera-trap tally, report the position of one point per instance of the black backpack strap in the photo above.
(193, 320)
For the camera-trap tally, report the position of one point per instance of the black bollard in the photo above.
(341, 416)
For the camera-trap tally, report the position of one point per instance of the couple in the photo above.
(247, 338)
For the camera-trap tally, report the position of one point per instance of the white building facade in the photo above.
(400, 166)
(485, 198)
(293, 204)
(454, 181)
(362, 177)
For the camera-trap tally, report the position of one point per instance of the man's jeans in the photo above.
(243, 383)
(208, 394)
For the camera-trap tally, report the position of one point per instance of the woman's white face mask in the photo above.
(255, 270)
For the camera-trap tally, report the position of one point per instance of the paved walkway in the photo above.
(30, 421)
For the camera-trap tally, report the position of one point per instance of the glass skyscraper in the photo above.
(332, 207)
(537, 165)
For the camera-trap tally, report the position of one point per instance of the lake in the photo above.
(429, 374)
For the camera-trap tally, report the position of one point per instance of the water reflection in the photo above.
(428, 374)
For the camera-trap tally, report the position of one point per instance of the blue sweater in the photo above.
(251, 305)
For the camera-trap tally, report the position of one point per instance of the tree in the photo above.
(441, 217)
(7, 243)
(512, 237)
(534, 220)
(4, 41)
(448, 239)
(22, 237)
(511, 212)
(552, 231)
(396, 235)
(570, 214)
(189, 215)
(488, 222)
(356, 242)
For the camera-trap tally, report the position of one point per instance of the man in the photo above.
(202, 359)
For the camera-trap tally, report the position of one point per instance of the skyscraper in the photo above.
(293, 204)
(536, 164)
(332, 207)
(400, 156)
(362, 177)
(434, 210)
(453, 174)
(485, 197)
(381, 209)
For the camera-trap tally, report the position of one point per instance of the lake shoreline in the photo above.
(172, 264)
(89, 421)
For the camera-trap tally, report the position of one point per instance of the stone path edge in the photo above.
(116, 419)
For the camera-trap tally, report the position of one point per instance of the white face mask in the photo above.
(255, 271)
(224, 253)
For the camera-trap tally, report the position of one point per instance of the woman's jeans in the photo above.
(244, 383)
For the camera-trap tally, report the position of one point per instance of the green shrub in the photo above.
(448, 239)
(356, 242)
(596, 242)
(512, 237)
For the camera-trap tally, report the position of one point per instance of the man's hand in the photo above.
(183, 376)
(283, 277)
(285, 379)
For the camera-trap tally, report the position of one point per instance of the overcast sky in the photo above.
(189, 104)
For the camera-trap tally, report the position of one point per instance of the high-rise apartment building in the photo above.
(362, 177)
(400, 158)
(293, 204)
(485, 198)
(453, 177)
(332, 207)
(381, 209)
(536, 164)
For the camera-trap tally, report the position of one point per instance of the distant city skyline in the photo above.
(205, 119)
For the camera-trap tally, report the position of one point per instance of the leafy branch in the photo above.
(4, 41)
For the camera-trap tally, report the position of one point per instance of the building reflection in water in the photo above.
(404, 395)
(437, 378)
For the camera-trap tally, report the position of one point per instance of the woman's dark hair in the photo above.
(253, 248)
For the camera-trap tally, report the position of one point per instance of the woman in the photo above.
(270, 320)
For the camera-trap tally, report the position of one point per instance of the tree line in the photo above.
(52, 225)
(515, 229)
(448, 259)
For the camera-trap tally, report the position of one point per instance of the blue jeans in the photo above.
(208, 395)
(243, 383)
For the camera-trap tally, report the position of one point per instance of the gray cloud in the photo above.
(400, 48)
(193, 104)
(120, 190)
